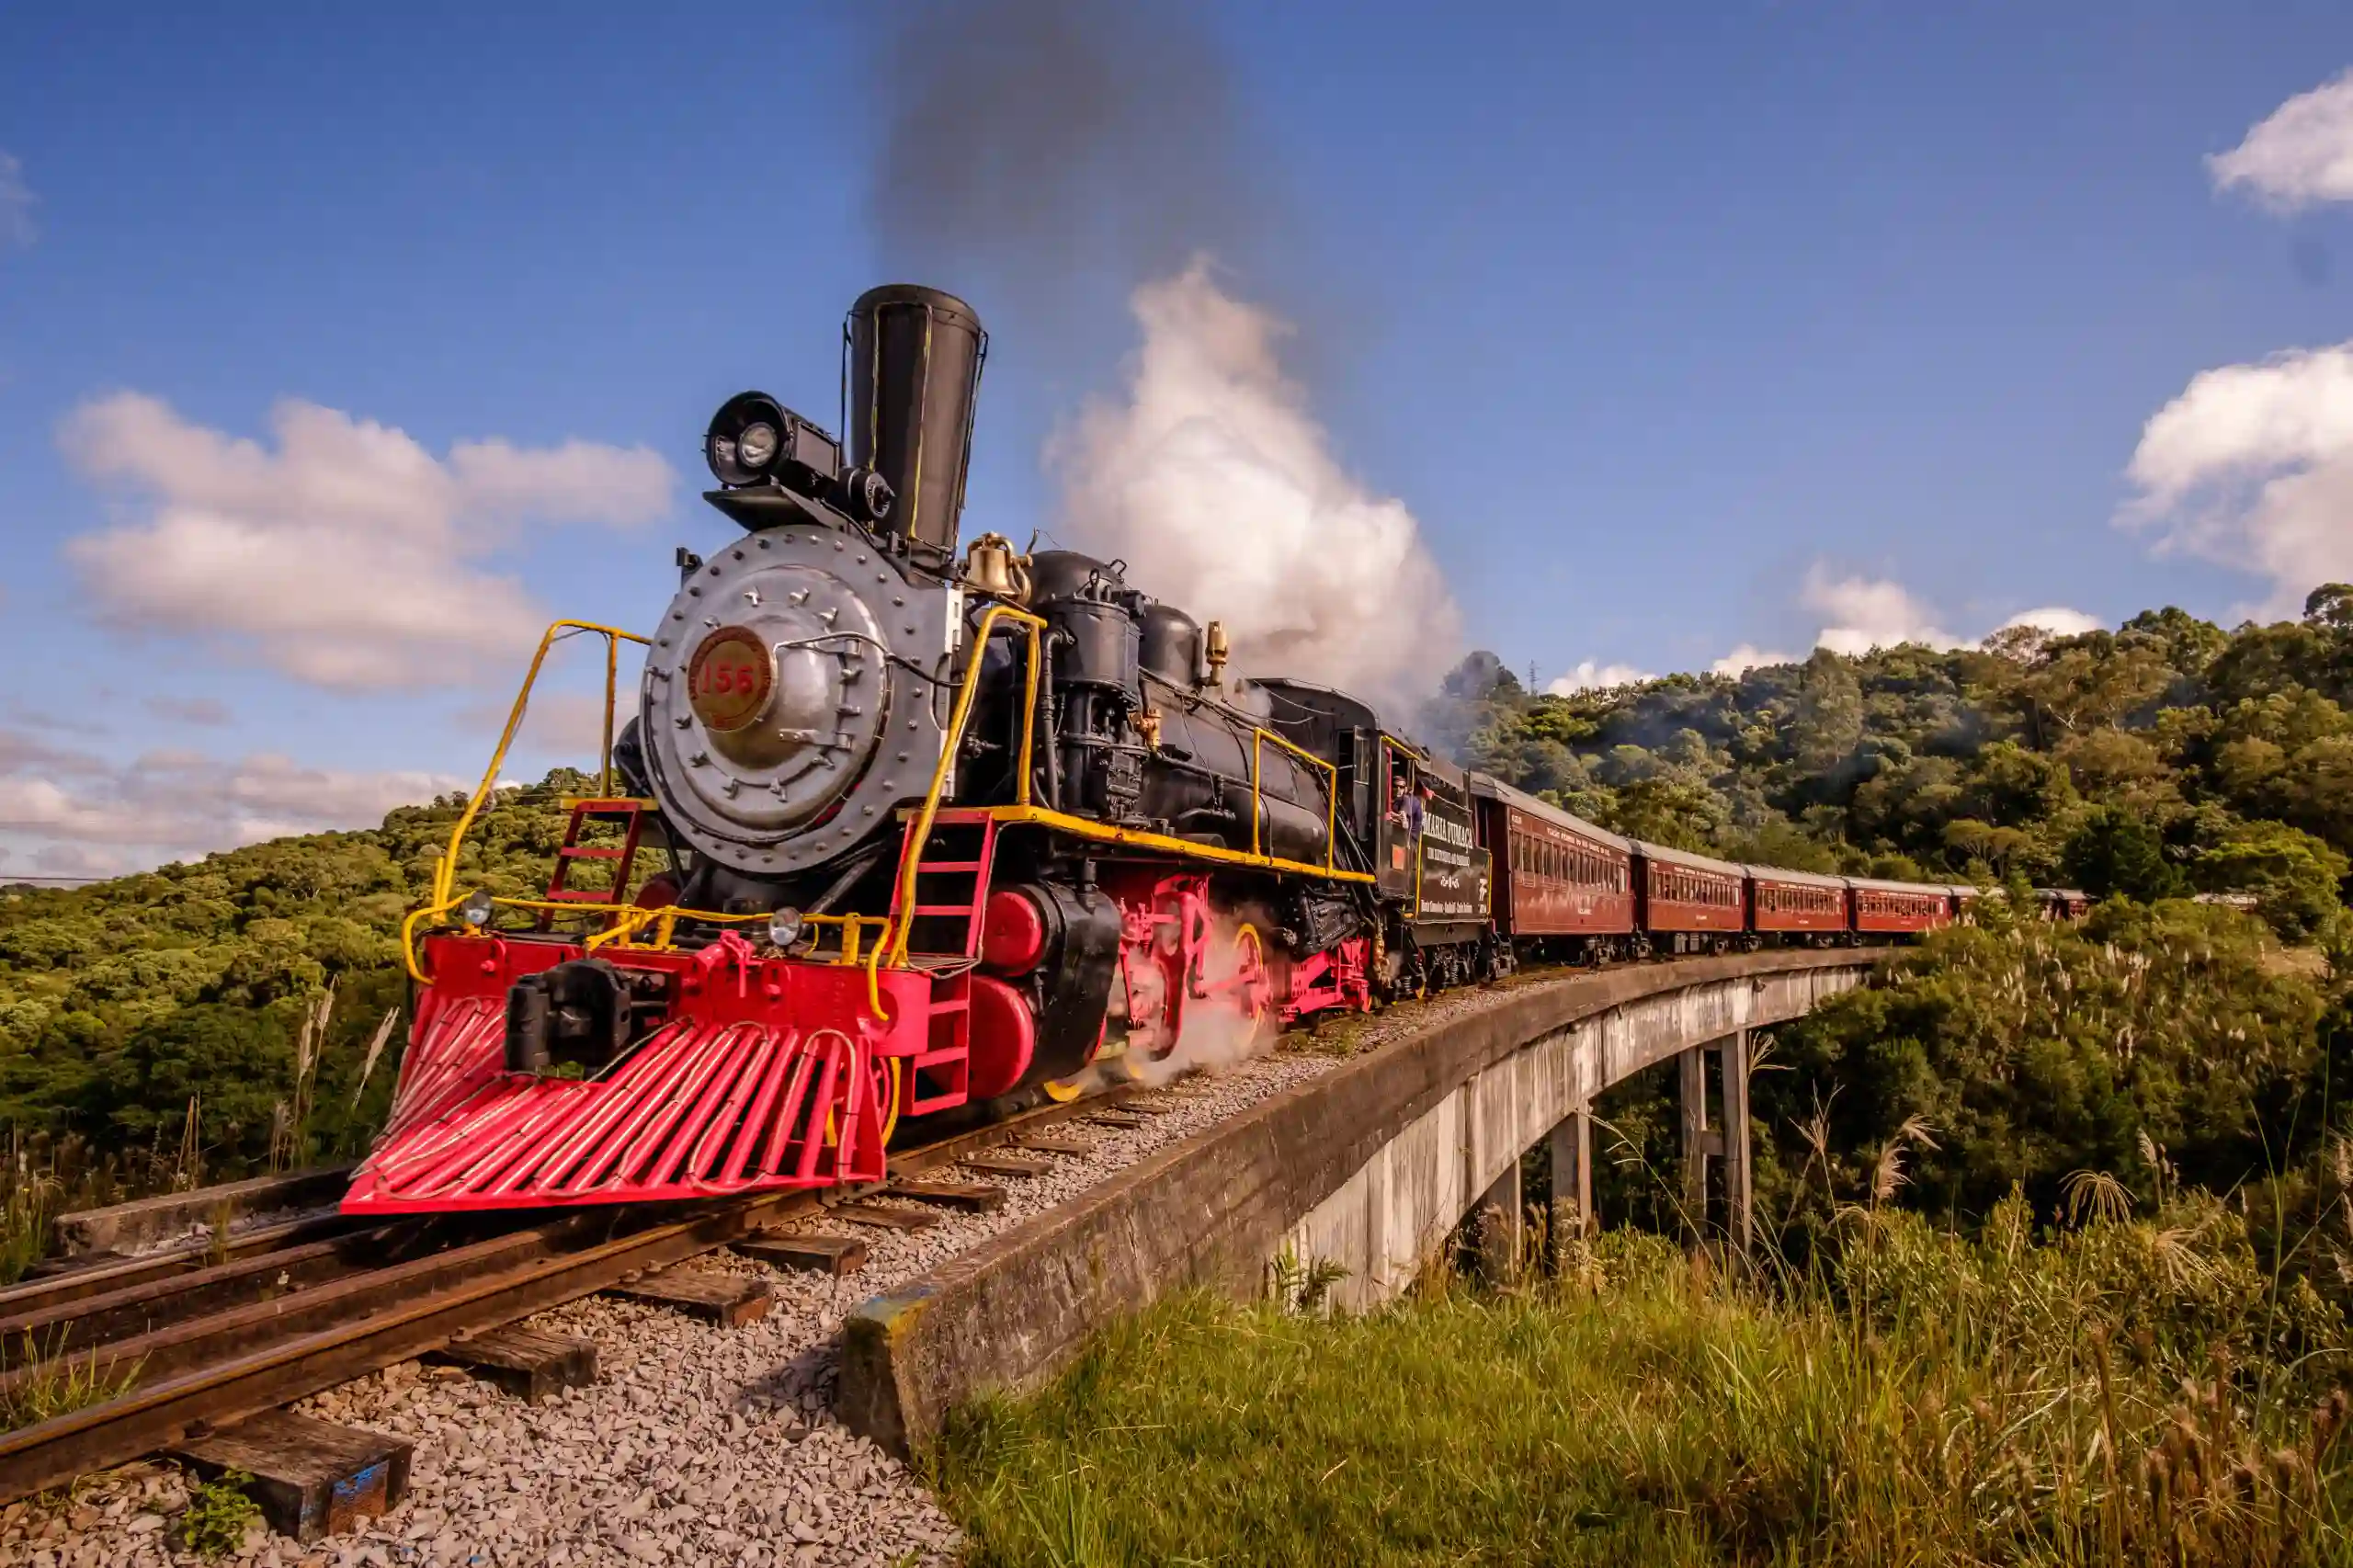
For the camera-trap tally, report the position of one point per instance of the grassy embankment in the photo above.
(2123, 1391)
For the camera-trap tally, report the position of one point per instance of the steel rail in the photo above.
(114, 1274)
(212, 1372)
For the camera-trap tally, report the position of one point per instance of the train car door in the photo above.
(1398, 827)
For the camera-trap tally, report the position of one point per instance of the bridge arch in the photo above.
(1385, 1219)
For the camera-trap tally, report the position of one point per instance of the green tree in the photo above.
(2048, 1050)
(2115, 852)
(2294, 877)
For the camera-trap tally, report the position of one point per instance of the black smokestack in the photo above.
(914, 374)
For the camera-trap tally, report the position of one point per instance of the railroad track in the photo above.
(204, 1338)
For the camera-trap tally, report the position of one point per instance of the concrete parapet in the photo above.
(1368, 1166)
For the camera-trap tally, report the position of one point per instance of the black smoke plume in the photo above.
(1032, 149)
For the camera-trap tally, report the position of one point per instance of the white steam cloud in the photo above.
(1219, 1031)
(1210, 477)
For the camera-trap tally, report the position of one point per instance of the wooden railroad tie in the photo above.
(1046, 1144)
(1005, 1164)
(1117, 1121)
(731, 1300)
(887, 1217)
(973, 1197)
(530, 1364)
(811, 1255)
(312, 1478)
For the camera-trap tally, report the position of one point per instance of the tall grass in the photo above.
(2125, 1391)
(43, 1176)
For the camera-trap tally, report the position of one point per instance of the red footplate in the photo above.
(767, 1075)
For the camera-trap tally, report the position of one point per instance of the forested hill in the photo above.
(2169, 756)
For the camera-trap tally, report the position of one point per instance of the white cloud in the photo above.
(1590, 675)
(22, 753)
(1748, 656)
(1215, 483)
(2057, 619)
(569, 725)
(167, 805)
(349, 556)
(2301, 153)
(80, 860)
(1864, 613)
(2252, 467)
(17, 199)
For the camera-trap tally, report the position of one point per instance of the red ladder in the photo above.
(943, 919)
(941, 1075)
(570, 852)
(950, 886)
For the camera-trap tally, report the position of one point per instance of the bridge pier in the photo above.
(1569, 1149)
(1498, 1224)
(1717, 1145)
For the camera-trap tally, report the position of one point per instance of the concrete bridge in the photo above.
(1371, 1167)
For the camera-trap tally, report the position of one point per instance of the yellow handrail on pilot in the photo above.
(446, 873)
(627, 921)
(1258, 737)
(891, 947)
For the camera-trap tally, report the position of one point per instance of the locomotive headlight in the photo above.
(755, 446)
(477, 909)
(746, 439)
(784, 926)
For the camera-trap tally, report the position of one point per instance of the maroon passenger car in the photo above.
(1796, 902)
(1556, 875)
(1898, 907)
(1690, 899)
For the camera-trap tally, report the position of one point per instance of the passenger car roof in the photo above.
(1661, 853)
(1803, 879)
(1496, 790)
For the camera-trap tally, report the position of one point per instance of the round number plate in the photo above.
(729, 679)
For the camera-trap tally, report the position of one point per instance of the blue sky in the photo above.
(1675, 329)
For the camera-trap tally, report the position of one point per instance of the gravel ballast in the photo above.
(696, 1444)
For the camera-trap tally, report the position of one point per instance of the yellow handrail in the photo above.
(853, 933)
(1160, 842)
(891, 946)
(1258, 737)
(629, 922)
(447, 872)
(408, 938)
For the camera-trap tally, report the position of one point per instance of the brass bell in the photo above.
(990, 567)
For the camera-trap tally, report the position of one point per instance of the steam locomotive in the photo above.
(938, 826)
